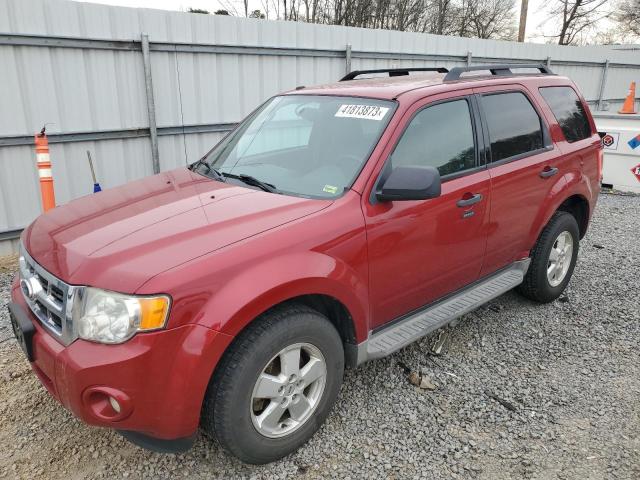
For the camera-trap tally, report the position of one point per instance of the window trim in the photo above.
(547, 143)
(478, 142)
(584, 109)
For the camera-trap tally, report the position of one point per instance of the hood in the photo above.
(119, 238)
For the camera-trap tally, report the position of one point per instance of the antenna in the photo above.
(184, 139)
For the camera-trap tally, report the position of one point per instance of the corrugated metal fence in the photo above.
(147, 90)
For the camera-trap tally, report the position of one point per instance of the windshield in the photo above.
(303, 145)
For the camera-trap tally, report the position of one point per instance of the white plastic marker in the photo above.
(369, 112)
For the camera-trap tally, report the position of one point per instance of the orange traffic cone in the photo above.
(44, 171)
(629, 105)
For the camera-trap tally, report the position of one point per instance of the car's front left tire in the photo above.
(275, 385)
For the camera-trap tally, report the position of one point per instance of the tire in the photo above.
(538, 285)
(231, 410)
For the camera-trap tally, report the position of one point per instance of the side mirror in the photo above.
(410, 183)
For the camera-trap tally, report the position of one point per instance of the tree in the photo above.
(628, 16)
(256, 14)
(577, 17)
(198, 10)
(492, 19)
(468, 18)
(221, 12)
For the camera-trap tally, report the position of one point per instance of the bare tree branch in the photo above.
(576, 17)
(628, 16)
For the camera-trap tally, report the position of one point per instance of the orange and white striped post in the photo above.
(44, 171)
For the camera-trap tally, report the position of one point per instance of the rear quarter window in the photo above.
(569, 112)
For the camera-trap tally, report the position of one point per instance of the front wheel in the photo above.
(276, 384)
(553, 259)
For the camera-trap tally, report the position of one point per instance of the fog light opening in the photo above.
(107, 404)
(114, 404)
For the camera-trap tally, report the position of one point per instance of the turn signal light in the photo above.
(153, 312)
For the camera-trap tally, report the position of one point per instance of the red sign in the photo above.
(636, 171)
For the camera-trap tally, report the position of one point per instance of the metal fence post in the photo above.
(548, 62)
(469, 57)
(347, 54)
(603, 83)
(151, 104)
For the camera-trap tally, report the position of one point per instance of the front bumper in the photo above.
(158, 378)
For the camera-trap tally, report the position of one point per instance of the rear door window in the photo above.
(514, 125)
(439, 136)
(569, 112)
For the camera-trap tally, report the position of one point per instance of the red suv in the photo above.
(334, 225)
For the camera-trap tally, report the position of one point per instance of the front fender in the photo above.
(273, 281)
(570, 184)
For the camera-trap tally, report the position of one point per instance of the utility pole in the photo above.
(523, 20)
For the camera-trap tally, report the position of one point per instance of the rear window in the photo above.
(569, 112)
(514, 125)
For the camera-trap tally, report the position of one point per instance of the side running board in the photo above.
(418, 324)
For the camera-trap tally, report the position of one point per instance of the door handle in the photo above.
(548, 172)
(465, 202)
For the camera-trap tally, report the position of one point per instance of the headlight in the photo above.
(110, 317)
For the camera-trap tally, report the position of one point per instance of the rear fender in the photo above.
(571, 183)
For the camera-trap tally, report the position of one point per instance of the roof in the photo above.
(385, 88)
(389, 88)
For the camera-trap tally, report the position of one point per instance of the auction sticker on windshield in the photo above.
(370, 112)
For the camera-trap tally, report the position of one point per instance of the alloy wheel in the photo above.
(560, 259)
(288, 390)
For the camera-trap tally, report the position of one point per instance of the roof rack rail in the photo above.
(393, 72)
(498, 69)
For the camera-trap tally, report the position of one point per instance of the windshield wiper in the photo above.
(253, 181)
(222, 176)
(216, 173)
(195, 165)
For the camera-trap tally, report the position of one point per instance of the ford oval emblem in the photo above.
(30, 287)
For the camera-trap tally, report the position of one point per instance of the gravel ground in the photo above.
(520, 391)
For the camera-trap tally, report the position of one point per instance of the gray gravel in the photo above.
(523, 391)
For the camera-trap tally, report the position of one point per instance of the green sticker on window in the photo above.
(330, 189)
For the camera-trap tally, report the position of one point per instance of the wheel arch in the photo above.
(578, 206)
(334, 310)
(571, 194)
(316, 280)
(329, 306)
(575, 204)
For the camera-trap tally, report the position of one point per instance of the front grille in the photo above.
(51, 316)
(48, 298)
(57, 293)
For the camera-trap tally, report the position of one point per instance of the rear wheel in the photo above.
(276, 384)
(552, 259)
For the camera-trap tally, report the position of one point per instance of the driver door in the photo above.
(420, 251)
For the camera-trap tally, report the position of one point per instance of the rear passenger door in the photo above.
(521, 166)
(579, 142)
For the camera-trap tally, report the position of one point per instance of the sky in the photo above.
(537, 22)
